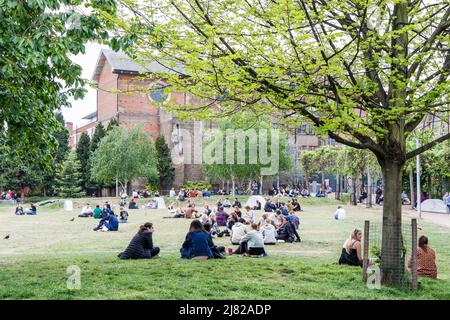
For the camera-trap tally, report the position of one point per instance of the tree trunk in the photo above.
(233, 186)
(369, 190)
(22, 192)
(337, 191)
(412, 194)
(353, 199)
(392, 267)
(260, 185)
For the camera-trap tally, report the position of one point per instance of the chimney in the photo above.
(69, 126)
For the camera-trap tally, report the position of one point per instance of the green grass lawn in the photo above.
(34, 260)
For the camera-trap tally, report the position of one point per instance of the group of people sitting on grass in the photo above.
(109, 221)
(292, 205)
(351, 254)
(32, 211)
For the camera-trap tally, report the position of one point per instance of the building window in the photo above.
(157, 93)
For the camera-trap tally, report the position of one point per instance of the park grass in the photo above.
(34, 260)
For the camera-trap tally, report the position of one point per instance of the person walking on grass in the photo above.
(141, 246)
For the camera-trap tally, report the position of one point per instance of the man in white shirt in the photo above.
(87, 211)
(340, 213)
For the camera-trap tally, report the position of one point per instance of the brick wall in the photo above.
(107, 94)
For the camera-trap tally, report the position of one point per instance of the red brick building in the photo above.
(123, 94)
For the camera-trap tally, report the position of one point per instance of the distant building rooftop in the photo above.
(121, 63)
(90, 116)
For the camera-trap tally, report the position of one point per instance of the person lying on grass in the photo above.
(426, 259)
(351, 250)
(196, 244)
(109, 223)
(141, 246)
(252, 243)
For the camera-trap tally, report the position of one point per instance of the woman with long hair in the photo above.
(351, 250)
(141, 246)
(196, 244)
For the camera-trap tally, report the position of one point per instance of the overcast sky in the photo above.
(81, 108)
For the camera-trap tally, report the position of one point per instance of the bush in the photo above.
(197, 185)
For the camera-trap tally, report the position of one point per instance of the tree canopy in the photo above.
(124, 155)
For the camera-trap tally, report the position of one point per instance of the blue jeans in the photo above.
(31, 212)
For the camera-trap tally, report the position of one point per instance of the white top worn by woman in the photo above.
(254, 239)
(237, 232)
(269, 233)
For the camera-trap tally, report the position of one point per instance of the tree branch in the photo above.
(427, 146)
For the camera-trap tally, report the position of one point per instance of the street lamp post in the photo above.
(418, 204)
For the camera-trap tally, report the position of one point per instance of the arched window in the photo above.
(157, 93)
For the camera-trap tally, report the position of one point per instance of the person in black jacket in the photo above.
(141, 246)
(269, 206)
(287, 231)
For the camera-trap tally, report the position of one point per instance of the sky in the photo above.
(81, 108)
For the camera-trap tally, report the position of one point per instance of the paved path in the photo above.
(442, 219)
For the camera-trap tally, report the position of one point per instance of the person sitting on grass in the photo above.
(426, 259)
(123, 215)
(226, 203)
(296, 205)
(191, 212)
(286, 232)
(151, 205)
(249, 214)
(141, 246)
(294, 219)
(221, 217)
(132, 204)
(269, 206)
(252, 243)
(19, 211)
(217, 251)
(351, 250)
(106, 210)
(196, 244)
(268, 232)
(258, 205)
(340, 213)
(238, 231)
(405, 199)
(32, 211)
(263, 219)
(97, 212)
(86, 211)
(276, 218)
(237, 203)
(206, 210)
(237, 211)
(109, 223)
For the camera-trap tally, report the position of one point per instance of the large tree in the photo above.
(83, 154)
(243, 148)
(363, 72)
(70, 179)
(124, 155)
(164, 163)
